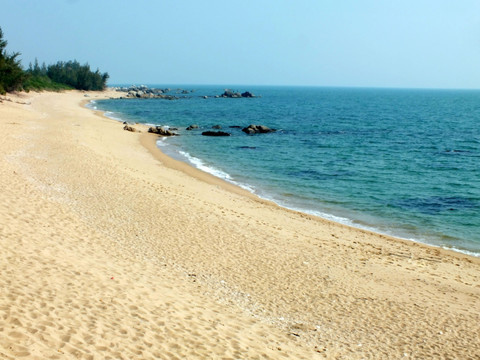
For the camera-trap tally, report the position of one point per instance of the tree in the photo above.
(12, 75)
(36, 70)
(77, 76)
(62, 75)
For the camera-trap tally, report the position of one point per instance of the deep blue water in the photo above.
(400, 162)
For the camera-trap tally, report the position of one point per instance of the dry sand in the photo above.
(110, 250)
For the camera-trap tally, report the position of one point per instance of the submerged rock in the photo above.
(215, 133)
(191, 127)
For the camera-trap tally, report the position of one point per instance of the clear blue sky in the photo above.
(391, 43)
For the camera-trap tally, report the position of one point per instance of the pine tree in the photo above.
(11, 72)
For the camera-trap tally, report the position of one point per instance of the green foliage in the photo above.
(43, 82)
(77, 76)
(12, 75)
(59, 76)
(36, 70)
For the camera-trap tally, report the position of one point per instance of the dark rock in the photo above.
(218, 127)
(161, 131)
(264, 129)
(257, 129)
(144, 92)
(191, 127)
(167, 97)
(129, 128)
(230, 94)
(235, 127)
(215, 133)
(227, 93)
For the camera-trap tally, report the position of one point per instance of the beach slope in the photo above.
(108, 249)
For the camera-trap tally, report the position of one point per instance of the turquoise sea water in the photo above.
(400, 162)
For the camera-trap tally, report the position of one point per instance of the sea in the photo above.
(401, 162)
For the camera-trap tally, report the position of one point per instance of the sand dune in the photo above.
(110, 250)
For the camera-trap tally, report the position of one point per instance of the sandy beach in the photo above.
(111, 250)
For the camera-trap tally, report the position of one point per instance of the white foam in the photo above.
(161, 142)
(466, 252)
(91, 105)
(109, 114)
(113, 116)
(351, 223)
(199, 164)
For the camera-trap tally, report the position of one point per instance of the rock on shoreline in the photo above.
(130, 128)
(161, 131)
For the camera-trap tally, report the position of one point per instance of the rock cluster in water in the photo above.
(144, 92)
(250, 130)
(163, 131)
(230, 94)
(257, 129)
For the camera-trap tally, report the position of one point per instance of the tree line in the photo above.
(59, 76)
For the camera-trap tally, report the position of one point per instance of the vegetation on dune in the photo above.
(59, 76)
(38, 83)
(77, 76)
(12, 75)
(38, 79)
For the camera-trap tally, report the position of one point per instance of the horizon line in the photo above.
(151, 84)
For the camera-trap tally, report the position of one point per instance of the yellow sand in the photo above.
(110, 250)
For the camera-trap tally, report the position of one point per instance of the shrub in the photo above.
(12, 75)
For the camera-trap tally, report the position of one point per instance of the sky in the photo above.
(361, 43)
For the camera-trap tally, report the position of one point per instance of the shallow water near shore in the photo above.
(395, 161)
